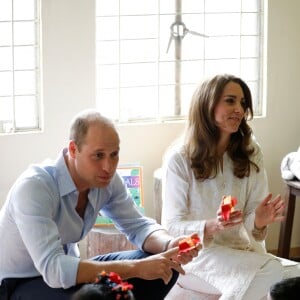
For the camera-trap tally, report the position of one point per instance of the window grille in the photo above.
(152, 54)
(19, 68)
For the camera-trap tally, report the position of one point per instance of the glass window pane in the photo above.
(107, 8)
(167, 7)
(5, 58)
(256, 96)
(138, 51)
(107, 28)
(24, 58)
(26, 111)
(193, 44)
(187, 92)
(138, 74)
(222, 47)
(230, 24)
(249, 69)
(250, 24)
(5, 34)
(166, 101)
(24, 33)
(223, 6)
(165, 22)
(24, 82)
(110, 96)
(6, 109)
(191, 71)
(108, 76)
(194, 23)
(6, 115)
(23, 9)
(167, 73)
(231, 66)
(250, 6)
(5, 10)
(193, 47)
(6, 79)
(250, 46)
(134, 7)
(7, 126)
(192, 6)
(138, 103)
(138, 27)
(108, 52)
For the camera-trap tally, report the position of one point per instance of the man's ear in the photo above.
(72, 149)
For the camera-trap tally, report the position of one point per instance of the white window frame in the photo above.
(20, 100)
(109, 99)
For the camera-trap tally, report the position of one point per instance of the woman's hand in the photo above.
(269, 211)
(214, 226)
(235, 217)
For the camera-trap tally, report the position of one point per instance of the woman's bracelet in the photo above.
(256, 232)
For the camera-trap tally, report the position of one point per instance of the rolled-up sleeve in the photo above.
(33, 209)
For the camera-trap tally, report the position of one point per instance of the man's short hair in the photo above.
(81, 123)
(286, 289)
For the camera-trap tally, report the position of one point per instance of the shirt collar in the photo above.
(65, 182)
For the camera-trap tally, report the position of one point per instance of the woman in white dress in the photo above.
(218, 156)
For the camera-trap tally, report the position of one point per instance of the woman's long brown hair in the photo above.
(202, 134)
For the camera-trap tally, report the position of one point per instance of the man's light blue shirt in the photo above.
(40, 225)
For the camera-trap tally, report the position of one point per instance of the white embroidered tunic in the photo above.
(233, 256)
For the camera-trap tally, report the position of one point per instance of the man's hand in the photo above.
(187, 256)
(159, 266)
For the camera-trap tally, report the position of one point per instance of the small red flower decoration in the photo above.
(114, 277)
(188, 244)
(228, 204)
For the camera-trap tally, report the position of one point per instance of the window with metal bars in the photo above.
(19, 68)
(152, 54)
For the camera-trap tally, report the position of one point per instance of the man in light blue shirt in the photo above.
(54, 205)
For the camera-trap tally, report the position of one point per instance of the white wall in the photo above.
(69, 86)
